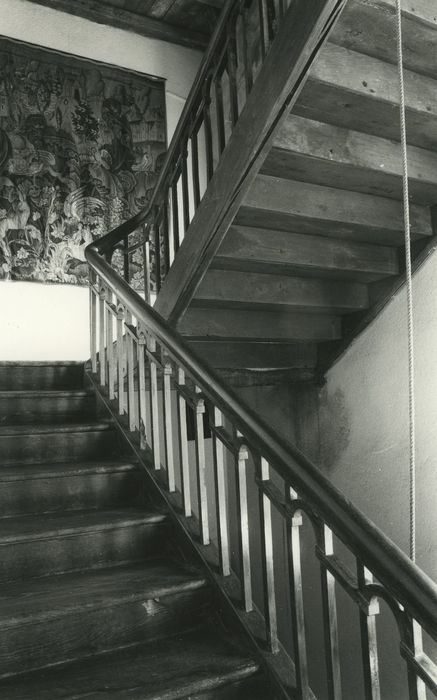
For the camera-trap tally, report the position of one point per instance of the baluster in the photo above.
(271, 19)
(175, 213)
(232, 71)
(102, 337)
(208, 131)
(330, 627)
(201, 470)
(267, 561)
(142, 411)
(262, 28)
(126, 270)
(183, 447)
(414, 641)
(369, 643)
(296, 600)
(220, 111)
(165, 236)
(146, 269)
(247, 53)
(110, 345)
(130, 379)
(156, 239)
(221, 501)
(195, 166)
(120, 358)
(154, 405)
(185, 194)
(93, 324)
(243, 528)
(168, 427)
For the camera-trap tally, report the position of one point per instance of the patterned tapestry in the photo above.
(81, 145)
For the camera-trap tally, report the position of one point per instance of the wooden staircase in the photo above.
(96, 598)
(316, 247)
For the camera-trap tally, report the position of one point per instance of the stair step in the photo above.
(376, 36)
(184, 666)
(17, 376)
(249, 324)
(40, 545)
(65, 486)
(266, 250)
(251, 355)
(41, 406)
(235, 289)
(62, 618)
(324, 154)
(301, 207)
(24, 444)
(350, 89)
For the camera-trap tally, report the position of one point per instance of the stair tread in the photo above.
(46, 393)
(67, 593)
(35, 527)
(22, 472)
(41, 363)
(175, 667)
(43, 428)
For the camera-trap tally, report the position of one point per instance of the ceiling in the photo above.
(186, 22)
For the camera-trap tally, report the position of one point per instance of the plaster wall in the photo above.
(45, 322)
(364, 442)
(356, 429)
(363, 419)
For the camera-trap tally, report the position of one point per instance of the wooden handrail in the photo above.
(111, 239)
(173, 210)
(403, 579)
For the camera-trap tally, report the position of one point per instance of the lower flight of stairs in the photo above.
(94, 601)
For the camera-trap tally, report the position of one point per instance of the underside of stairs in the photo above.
(97, 599)
(316, 248)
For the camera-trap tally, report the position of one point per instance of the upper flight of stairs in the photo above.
(317, 244)
(96, 600)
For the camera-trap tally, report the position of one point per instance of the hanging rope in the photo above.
(406, 201)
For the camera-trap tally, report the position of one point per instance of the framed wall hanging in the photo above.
(81, 146)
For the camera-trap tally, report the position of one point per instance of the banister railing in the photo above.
(247, 479)
(238, 48)
(152, 376)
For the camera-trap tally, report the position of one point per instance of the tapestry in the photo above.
(81, 146)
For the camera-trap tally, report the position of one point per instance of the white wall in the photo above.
(363, 418)
(42, 322)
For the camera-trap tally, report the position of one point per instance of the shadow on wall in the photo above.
(334, 428)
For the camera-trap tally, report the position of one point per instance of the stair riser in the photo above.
(88, 632)
(81, 550)
(19, 377)
(254, 688)
(38, 448)
(35, 409)
(81, 492)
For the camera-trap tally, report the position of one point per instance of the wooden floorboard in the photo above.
(171, 669)
(324, 154)
(124, 19)
(266, 250)
(235, 289)
(302, 207)
(236, 324)
(359, 92)
(369, 27)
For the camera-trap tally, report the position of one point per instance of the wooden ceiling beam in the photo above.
(131, 21)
